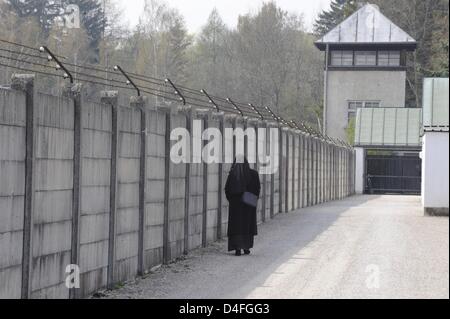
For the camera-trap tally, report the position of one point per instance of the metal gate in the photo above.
(397, 174)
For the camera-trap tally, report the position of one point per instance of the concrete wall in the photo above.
(12, 190)
(52, 218)
(90, 183)
(126, 255)
(177, 173)
(154, 197)
(94, 221)
(343, 86)
(435, 173)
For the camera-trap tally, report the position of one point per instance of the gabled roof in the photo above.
(367, 26)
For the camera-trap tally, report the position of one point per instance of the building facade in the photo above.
(435, 152)
(365, 67)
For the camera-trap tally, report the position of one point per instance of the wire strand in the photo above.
(194, 97)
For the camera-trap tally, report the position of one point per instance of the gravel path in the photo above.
(359, 247)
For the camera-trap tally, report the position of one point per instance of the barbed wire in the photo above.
(148, 84)
(143, 78)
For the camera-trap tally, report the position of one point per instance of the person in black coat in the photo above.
(241, 217)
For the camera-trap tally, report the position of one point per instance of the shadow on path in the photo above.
(212, 272)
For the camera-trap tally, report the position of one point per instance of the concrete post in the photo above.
(111, 98)
(271, 125)
(229, 121)
(325, 171)
(74, 92)
(294, 164)
(219, 117)
(166, 244)
(288, 162)
(280, 179)
(316, 171)
(187, 111)
(286, 171)
(354, 171)
(306, 172)
(321, 163)
(336, 172)
(300, 167)
(252, 123)
(204, 115)
(232, 119)
(341, 171)
(140, 102)
(319, 171)
(328, 172)
(304, 167)
(331, 172)
(338, 175)
(255, 123)
(241, 120)
(317, 146)
(317, 201)
(245, 124)
(313, 170)
(309, 177)
(350, 172)
(25, 83)
(346, 172)
(262, 124)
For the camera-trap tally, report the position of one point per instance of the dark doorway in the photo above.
(393, 173)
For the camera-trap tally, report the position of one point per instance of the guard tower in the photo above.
(365, 67)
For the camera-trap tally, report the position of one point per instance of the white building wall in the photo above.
(435, 172)
(388, 87)
(359, 170)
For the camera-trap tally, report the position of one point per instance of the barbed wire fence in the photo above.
(42, 62)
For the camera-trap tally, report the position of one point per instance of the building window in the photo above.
(389, 58)
(353, 106)
(342, 58)
(366, 58)
(349, 58)
(372, 104)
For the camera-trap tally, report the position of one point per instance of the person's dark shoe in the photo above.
(238, 252)
(247, 251)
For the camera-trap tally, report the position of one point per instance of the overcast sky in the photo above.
(196, 12)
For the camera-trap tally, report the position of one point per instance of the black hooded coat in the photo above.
(241, 217)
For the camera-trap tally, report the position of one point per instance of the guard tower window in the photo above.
(389, 58)
(366, 58)
(372, 104)
(353, 106)
(342, 58)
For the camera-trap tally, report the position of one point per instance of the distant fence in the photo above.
(92, 184)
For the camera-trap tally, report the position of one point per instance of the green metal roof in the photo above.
(388, 127)
(435, 104)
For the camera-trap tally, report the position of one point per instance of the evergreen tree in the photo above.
(44, 10)
(92, 18)
(328, 19)
(47, 11)
(178, 41)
